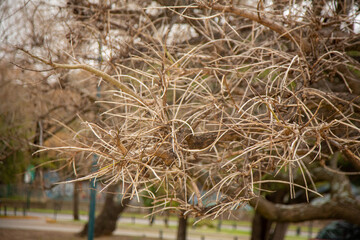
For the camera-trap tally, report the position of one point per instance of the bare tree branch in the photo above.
(263, 19)
(92, 70)
(345, 208)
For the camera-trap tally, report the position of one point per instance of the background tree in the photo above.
(38, 105)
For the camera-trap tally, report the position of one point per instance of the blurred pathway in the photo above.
(50, 222)
(40, 222)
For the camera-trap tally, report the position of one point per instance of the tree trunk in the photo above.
(280, 231)
(260, 229)
(182, 227)
(76, 201)
(166, 219)
(105, 222)
(151, 217)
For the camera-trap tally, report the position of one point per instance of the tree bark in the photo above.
(105, 222)
(279, 231)
(260, 227)
(182, 227)
(345, 208)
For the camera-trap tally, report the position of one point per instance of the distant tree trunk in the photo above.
(151, 217)
(105, 222)
(76, 201)
(260, 229)
(166, 219)
(280, 231)
(182, 227)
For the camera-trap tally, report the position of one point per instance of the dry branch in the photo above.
(265, 20)
(106, 77)
(355, 160)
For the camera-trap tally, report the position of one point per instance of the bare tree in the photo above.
(218, 98)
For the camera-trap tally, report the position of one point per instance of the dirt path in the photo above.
(15, 234)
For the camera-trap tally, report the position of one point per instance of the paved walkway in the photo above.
(42, 222)
(47, 222)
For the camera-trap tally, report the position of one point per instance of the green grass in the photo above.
(294, 227)
(295, 237)
(42, 210)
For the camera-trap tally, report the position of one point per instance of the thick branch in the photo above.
(345, 208)
(341, 205)
(267, 22)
